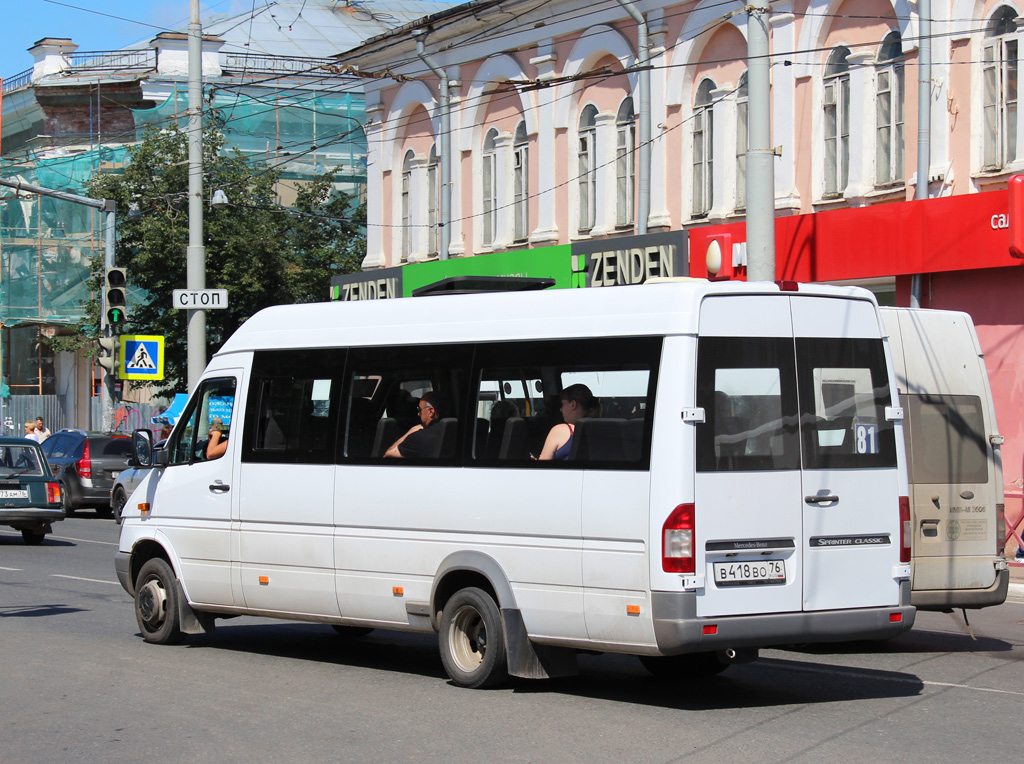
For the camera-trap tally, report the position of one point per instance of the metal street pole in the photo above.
(760, 154)
(108, 207)
(196, 258)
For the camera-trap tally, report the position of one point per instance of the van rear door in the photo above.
(797, 486)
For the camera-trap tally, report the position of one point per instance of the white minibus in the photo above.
(739, 481)
(953, 460)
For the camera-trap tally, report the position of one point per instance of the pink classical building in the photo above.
(543, 144)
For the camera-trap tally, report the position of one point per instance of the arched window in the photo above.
(703, 141)
(837, 121)
(999, 74)
(625, 163)
(587, 168)
(742, 99)
(521, 183)
(490, 190)
(432, 202)
(406, 207)
(889, 111)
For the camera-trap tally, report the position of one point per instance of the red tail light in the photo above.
(84, 464)
(905, 529)
(677, 541)
(53, 493)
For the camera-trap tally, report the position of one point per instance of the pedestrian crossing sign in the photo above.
(142, 357)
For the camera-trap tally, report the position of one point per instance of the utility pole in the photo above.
(196, 257)
(760, 154)
(108, 207)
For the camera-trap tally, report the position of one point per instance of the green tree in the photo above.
(262, 253)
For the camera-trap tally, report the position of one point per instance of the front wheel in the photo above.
(117, 504)
(33, 538)
(156, 603)
(472, 640)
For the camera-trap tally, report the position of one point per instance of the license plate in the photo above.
(8, 493)
(750, 573)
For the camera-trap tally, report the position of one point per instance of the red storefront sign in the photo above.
(952, 233)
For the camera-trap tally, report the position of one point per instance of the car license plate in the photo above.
(750, 573)
(9, 493)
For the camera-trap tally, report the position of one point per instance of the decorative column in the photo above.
(546, 231)
(862, 107)
(604, 156)
(783, 25)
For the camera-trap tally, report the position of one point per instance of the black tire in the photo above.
(351, 632)
(689, 666)
(66, 502)
(117, 502)
(33, 538)
(472, 640)
(156, 603)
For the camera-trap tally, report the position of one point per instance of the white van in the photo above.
(740, 484)
(953, 460)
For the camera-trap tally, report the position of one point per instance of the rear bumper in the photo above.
(678, 629)
(26, 517)
(947, 599)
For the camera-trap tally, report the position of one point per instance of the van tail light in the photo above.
(905, 529)
(1000, 528)
(84, 464)
(53, 493)
(677, 541)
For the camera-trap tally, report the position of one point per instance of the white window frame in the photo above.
(586, 169)
(703, 132)
(836, 124)
(999, 90)
(889, 100)
(406, 206)
(433, 196)
(742, 103)
(521, 184)
(489, 190)
(625, 165)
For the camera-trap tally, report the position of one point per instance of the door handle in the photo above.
(219, 487)
(828, 498)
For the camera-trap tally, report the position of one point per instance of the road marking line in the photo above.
(3, 568)
(84, 541)
(79, 578)
(900, 680)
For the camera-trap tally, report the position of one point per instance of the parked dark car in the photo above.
(87, 464)
(30, 497)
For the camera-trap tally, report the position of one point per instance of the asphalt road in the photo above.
(78, 684)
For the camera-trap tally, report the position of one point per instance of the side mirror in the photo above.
(142, 448)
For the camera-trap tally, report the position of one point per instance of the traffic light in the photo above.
(109, 361)
(116, 297)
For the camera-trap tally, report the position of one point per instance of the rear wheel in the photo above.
(689, 666)
(33, 538)
(156, 603)
(65, 501)
(117, 503)
(472, 640)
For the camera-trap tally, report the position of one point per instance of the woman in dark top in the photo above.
(577, 402)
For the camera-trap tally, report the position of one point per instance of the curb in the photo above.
(1015, 591)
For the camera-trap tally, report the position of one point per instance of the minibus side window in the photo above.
(293, 411)
(518, 402)
(382, 390)
(844, 390)
(747, 388)
(212, 405)
(947, 439)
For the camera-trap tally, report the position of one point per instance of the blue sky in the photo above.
(26, 21)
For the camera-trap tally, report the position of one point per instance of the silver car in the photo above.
(125, 484)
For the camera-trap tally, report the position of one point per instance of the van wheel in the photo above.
(156, 603)
(689, 666)
(33, 538)
(472, 640)
(117, 504)
(351, 632)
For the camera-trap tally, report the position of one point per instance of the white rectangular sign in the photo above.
(206, 299)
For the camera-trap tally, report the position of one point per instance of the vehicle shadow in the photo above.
(25, 611)
(916, 641)
(763, 683)
(8, 539)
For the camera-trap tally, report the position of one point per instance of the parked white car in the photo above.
(125, 484)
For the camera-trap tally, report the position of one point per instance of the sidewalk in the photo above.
(1016, 589)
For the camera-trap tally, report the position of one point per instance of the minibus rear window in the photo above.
(947, 439)
(844, 390)
(747, 388)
